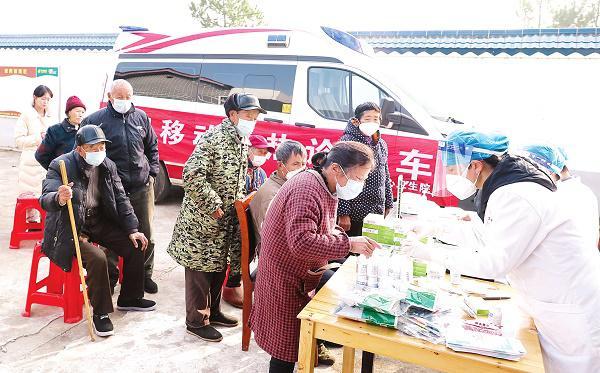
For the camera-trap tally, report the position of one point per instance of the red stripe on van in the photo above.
(147, 37)
(209, 34)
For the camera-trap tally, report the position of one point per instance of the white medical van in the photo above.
(308, 81)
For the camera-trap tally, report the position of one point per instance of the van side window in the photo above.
(176, 81)
(272, 84)
(365, 91)
(329, 93)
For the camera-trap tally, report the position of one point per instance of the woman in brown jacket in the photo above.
(299, 235)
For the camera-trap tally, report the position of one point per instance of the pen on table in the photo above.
(496, 298)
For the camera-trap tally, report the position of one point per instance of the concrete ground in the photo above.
(150, 342)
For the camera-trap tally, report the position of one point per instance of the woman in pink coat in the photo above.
(299, 235)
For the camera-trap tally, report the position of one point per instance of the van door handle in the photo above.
(273, 120)
(305, 125)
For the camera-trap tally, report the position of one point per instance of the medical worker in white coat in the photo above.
(585, 197)
(532, 237)
(553, 161)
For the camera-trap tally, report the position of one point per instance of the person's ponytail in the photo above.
(318, 161)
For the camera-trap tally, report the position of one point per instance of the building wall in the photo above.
(81, 73)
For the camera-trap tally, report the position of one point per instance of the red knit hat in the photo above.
(259, 142)
(72, 103)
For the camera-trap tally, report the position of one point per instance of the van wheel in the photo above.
(162, 184)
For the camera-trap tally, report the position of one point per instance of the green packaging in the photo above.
(421, 298)
(419, 268)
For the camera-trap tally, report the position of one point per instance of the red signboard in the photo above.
(179, 132)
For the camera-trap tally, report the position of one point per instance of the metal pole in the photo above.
(400, 188)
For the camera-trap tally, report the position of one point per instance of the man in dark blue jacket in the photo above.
(134, 149)
(376, 197)
(103, 215)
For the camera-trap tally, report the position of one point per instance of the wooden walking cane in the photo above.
(65, 180)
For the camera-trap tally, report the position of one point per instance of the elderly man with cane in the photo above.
(102, 215)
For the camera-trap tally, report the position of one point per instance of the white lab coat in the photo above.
(586, 203)
(534, 238)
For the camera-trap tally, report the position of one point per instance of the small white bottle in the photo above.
(455, 275)
(361, 270)
(372, 272)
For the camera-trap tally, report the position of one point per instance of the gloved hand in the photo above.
(417, 249)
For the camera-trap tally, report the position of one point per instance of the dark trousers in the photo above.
(95, 262)
(202, 296)
(234, 281)
(280, 366)
(355, 229)
(142, 201)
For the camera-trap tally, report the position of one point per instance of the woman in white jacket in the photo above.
(29, 132)
(533, 238)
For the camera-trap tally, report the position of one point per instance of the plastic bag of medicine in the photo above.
(390, 303)
(415, 331)
(423, 299)
(367, 315)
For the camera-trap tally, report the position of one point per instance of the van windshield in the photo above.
(392, 82)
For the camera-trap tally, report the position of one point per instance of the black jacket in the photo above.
(377, 192)
(58, 237)
(60, 139)
(511, 169)
(133, 147)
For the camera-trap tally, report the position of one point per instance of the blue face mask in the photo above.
(349, 191)
(95, 158)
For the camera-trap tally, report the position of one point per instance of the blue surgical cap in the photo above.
(487, 142)
(546, 156)
(563, 152)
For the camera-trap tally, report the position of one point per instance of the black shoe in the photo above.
(136, 305)
(223, 320)
(325, 357)
(103, 327)
(206, 333)
(150, 286)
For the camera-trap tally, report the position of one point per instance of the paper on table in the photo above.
(461, 340)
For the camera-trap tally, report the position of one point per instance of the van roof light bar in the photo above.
(278, 41)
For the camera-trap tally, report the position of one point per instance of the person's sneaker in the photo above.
(234, 296)
(140, 304)
(325, 357)
(222, 319)
(206, 333)
(150, 286)
(103, 327)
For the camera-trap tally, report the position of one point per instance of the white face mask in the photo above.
(259, 160)
(95, 158)
(245, 127)
(291, 174)
(460, 186)
(121, 106)
(349, 191)
(368, 128)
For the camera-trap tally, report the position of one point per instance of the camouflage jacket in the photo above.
(213, 177)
